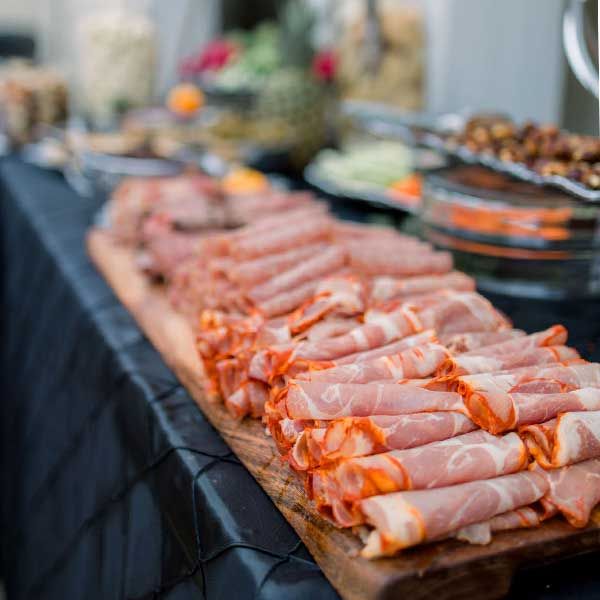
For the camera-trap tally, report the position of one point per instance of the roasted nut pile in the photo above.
(543, 148)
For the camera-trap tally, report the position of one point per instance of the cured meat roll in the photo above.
(469, 457)
(361, 436)
(386, 350)
(574, 491)
(553, 336)
(388, 288)
(412, 363)
(322, 400)
(458, 343)
(343, 296)
(463, 365)
(570, 438)
(541, 379)
(518, 410)
(520, 518)
(373, 334)
(399, 259)
(251, 272)
(462, 312)
(326, 262)
(405, 519)
(280, 239)
(248, 399)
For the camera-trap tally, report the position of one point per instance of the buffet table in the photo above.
(113, 483)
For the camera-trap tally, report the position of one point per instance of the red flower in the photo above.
(324, 65)
(213, 57)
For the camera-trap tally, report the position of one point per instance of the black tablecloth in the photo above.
(113, 485)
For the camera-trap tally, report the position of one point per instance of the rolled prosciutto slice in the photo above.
(481, 533)
(408, 342)
(553, 336)
(459, 343)
(331, 327)
(322, 400)
(511, 410)
(248, 399)
(541, 379)
(343, 296)
(276, 360)
(412, 363)
(462, 312)
(388, 288)
(287, 301)
(574, 490)
(463, 365)
(405, 519)
(361, 436)
(469, 457)
(251, 272)
(570, 438)
(374, 260)
(326, 262)
(280, 239)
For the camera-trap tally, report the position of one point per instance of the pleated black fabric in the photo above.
(113, 484)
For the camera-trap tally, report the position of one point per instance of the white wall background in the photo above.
(496, 54)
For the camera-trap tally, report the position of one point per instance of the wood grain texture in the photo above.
(443, 571)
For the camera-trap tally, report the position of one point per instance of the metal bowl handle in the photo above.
(576, 48)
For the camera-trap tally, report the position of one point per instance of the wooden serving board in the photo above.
(442, 571)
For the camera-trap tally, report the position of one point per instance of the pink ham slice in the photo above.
(248, 399)
(330, 327)
(321, 400)
(275, 240)
(377, 331)
(269, 222)
(252, 272)
(388, 288)
(570, 438)
(463, 365)
(328, 261)
(535, 379)
(574, 491)
(387, 349)
(406, 519)
(461, 312)
(469, 457)
(481, 533)
(385, 329)
(520, 409)
(362, 436)
(342, 296)
(553, 336)
(287, 301)
(412, 363)
(398, 260)
(458, 343)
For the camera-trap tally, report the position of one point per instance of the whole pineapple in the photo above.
(292, 94)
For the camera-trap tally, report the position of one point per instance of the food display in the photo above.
(275, 86)
(30, 96)
(241, 61)
(379, 171)
(409, 406)
(540, 154)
